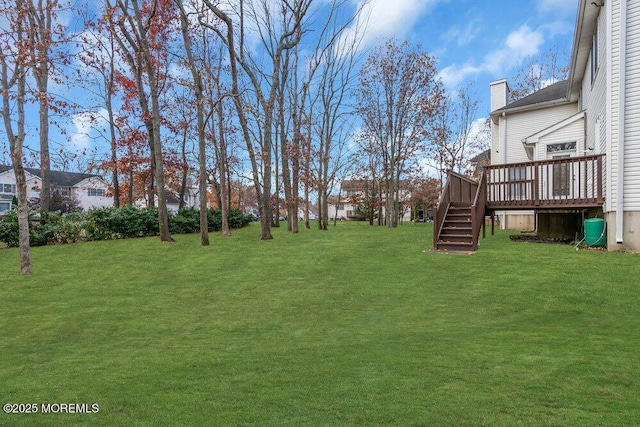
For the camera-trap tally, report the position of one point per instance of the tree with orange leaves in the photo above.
(141, 30)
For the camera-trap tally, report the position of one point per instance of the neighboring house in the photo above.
(478, 163)
(357, 192)
(191, 200)
(569, 151)
(90, 190)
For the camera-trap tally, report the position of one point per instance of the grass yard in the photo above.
(355, 326)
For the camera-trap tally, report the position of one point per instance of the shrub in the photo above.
(69, 228)
(39, 234)
(112, 223)
(186, 220)
(9, 228)
(236, 219)
(214, 219)
(121, 223)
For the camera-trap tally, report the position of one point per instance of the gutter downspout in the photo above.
(621, 121)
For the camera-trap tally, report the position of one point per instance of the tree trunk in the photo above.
(23, 216)
(40, 35)
(16, 139)
(202, 153)
(222, 162)
(114, 148)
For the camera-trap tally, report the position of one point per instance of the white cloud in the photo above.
(84, 124)
(524, 42)
(463, 35)
(452, 75)
(381, 20)
(518, 44)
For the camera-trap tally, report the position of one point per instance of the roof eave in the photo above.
(532, 107)
(586, 20)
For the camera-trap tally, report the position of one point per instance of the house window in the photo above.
(63, 191)
(8, 188)
(564, 146)
(594, 55)
(96, 192)
(4, 207)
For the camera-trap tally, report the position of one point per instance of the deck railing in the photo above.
(567, 183)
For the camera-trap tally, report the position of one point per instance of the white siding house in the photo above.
(354, 193)
(596, 111)
(90, 190)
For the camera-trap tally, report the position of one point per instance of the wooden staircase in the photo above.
(460, 214)
(456, 234)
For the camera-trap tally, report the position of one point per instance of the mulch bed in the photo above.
(536, 239)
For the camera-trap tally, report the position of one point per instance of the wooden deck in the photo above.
(570, 183)
(559, 184)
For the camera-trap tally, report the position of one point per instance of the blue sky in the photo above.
(481, 41)
(473, 41)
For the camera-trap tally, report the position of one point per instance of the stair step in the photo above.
(454, 230)
(456, 234)
(455, 246)
(460, 204)
(458, 218)
(456, 239)
(456, 222)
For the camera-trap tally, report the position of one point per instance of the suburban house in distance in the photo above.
(362, 193)
(568, 152)
(191, 200)
(89, 189)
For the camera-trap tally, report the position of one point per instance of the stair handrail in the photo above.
(440, 211)
(478, 209)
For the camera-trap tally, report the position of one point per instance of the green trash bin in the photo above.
(594, 232)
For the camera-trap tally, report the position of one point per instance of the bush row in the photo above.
(111, 223)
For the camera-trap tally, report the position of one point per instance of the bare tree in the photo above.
(399, 94)
(535, 73)
(336, 74)
(280, 28)
(198, 88)
(42, 30)
(452, 130)
(13, 70)
(99, 55)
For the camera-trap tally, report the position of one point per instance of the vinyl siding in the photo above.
(81, 191)
(522, 125)
(594, 99)
(569, 133)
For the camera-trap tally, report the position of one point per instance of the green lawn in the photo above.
(355, 326)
